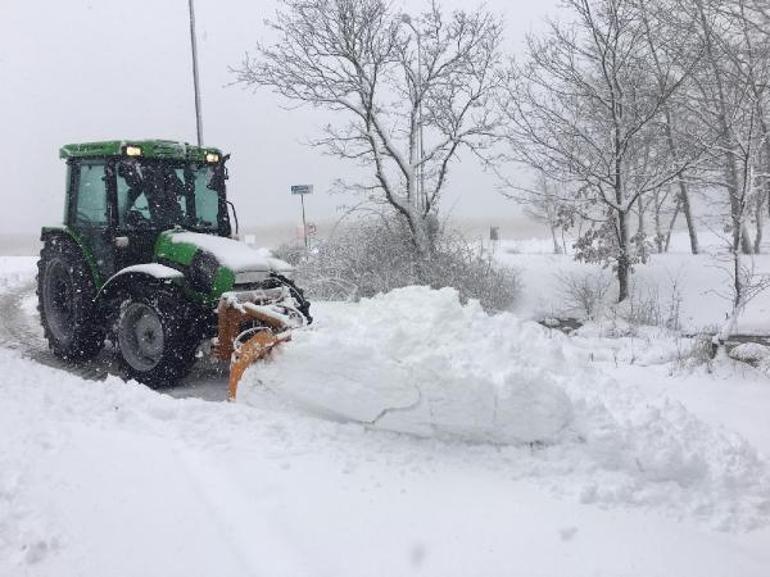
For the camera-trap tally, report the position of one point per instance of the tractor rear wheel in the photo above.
(155, 335)
(66, 291)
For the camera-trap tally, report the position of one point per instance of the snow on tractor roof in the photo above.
(156, 149)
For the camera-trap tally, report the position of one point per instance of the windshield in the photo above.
(155, 194)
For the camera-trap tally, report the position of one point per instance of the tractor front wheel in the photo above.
(156, 340)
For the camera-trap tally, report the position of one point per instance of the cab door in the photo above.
(89, 214)
(135, 233)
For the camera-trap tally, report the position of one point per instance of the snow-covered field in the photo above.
(697, 286)
(403, 435)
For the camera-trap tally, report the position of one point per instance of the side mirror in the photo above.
(235, 217)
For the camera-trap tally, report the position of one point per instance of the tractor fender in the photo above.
(137, 274)
(52, 235)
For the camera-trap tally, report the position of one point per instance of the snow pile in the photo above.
(632, 451)
(752, 353)
(417, 361)
(16, 271)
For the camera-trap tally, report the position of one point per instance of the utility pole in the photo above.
(406, 19)
(423, 196)
(196, 86)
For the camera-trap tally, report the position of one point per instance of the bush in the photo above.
(649, 308)
(697, 351)
(584, 293)
(375, 255)
(292, 253)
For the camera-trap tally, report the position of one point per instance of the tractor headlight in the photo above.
(133, 150)
(212, 157)
(203, 271)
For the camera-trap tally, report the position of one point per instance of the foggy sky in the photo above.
(86, 70)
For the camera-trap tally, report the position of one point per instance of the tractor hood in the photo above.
(181, 246)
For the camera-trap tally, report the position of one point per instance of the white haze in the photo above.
(90, 70)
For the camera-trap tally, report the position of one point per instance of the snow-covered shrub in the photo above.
(375, 255)
(755, 354)
(642, 308)
(647, 307)
(290, 252)
(584, 292)
(698, 351)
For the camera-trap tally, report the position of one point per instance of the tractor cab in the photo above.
(121, 196)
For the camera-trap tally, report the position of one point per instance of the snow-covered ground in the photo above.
(697, 288)
(404, 435)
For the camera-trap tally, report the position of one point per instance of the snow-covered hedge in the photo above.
(372, 256)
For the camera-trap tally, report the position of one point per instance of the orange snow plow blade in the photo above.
(248, 332)
(256, 348)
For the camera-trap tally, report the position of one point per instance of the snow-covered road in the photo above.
(20, 330)
(110, 478)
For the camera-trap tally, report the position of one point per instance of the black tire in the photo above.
(65, 291)
(157, 335)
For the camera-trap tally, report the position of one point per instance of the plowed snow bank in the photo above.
(417, 361)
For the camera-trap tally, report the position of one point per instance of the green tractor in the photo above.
(145, 258)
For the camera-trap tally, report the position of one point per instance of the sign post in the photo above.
(302, 190)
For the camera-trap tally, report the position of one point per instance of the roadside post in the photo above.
(494, 238)
(302, 190)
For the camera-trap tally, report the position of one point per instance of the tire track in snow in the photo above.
(20, 331)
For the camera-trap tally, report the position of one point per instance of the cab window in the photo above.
(206, 198)
(150, 195)
(91, 197)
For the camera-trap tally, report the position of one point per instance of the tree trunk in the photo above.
(759, 213)
(422, 235)
(658, 232)
(623, 264)
(671, 227)
(556, 247)
(687, 210)
(641, 233)
(737, 283)
(763, 199)
(746, 246)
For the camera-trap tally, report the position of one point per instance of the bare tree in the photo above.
(585, 108)
(752, 61)
(546, 208)
(663, 26)
(731, 100)
(410, 93)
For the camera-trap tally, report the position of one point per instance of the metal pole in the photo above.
(423, 197)
(406, 19)
(304, 223)
(194, 45)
